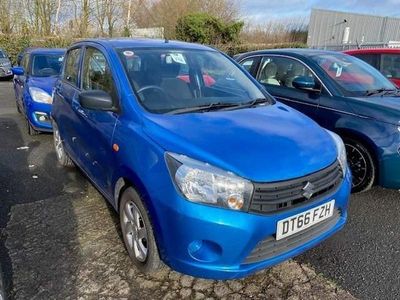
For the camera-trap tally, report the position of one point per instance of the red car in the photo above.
(386, 60)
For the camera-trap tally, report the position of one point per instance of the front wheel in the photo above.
(31, 130)
(138, 233)
(361, 164)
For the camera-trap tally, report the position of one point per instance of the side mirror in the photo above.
(305, 83)
(96, 100)
(18, 71)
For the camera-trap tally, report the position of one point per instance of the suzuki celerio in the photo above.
(208, 172)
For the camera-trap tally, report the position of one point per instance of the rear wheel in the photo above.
(361, 164)
(138, 233)
(62, 156)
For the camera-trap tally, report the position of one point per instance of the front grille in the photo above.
(270, 247)
(283, 195)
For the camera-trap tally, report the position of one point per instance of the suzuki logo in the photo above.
(308, 190)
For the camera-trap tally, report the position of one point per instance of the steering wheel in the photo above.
(47, 71)
(152, 87)
(168, 103)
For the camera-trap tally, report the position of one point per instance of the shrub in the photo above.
(206, 29)
(14, 44)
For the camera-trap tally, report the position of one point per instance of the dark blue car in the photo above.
(33, 85)
(207, 171)
(344, 95)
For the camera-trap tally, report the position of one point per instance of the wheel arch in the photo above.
(365, 141)
(127, 178)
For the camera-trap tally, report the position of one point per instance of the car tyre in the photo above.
(361, 164)
(137, 233)
(18, 108)
(61, 154)
(31, 130)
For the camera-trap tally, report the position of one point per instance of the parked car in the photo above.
(21, 54)
(342, 94)
(386, 60)
(5, 65)
(33, 84)
(208, 173)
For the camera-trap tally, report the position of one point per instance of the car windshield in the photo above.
(2, 54)
(353, 76)
(169, 80)
(44, 65)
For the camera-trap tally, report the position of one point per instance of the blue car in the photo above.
(33, 85)
(344, 95)
(208, 173)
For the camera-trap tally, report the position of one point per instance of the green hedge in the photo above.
(234, 49)
(14, 44)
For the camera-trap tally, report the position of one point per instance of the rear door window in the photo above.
(71, 71)
(250, 64)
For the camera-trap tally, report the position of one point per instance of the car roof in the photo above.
(46, 51)
(373, 50)
(305, 52)
(143, 43)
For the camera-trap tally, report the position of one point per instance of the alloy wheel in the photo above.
(135, 231)
(358, 165)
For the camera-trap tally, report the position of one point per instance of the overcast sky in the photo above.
(260, 11)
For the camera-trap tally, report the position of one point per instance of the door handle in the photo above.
(77, 107)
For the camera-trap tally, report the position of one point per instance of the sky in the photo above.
(262, 11)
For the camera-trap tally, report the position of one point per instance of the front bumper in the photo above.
(38, 115)
(215, 243)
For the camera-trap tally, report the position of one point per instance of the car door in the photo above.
(19, 81)
(66, 95)
(277, 74)
(97, 127)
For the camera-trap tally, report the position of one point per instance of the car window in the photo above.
(71, 70)
(390, 65)
(96, 74)
(248, 64)
(281, 71)
(46, 64)
(371, 59)
(2, 54)
(168, 79)
(351, 75)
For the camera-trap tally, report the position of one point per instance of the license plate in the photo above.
(304, 220)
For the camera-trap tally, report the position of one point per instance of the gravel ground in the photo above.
(70, 247)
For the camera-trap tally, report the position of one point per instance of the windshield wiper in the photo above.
(379, 91)
(255, 102)
(201, 108)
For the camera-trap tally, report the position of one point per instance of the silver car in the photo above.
(5, 65)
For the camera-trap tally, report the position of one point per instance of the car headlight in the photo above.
(341, 149)
(38, 95)
(202, 183)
